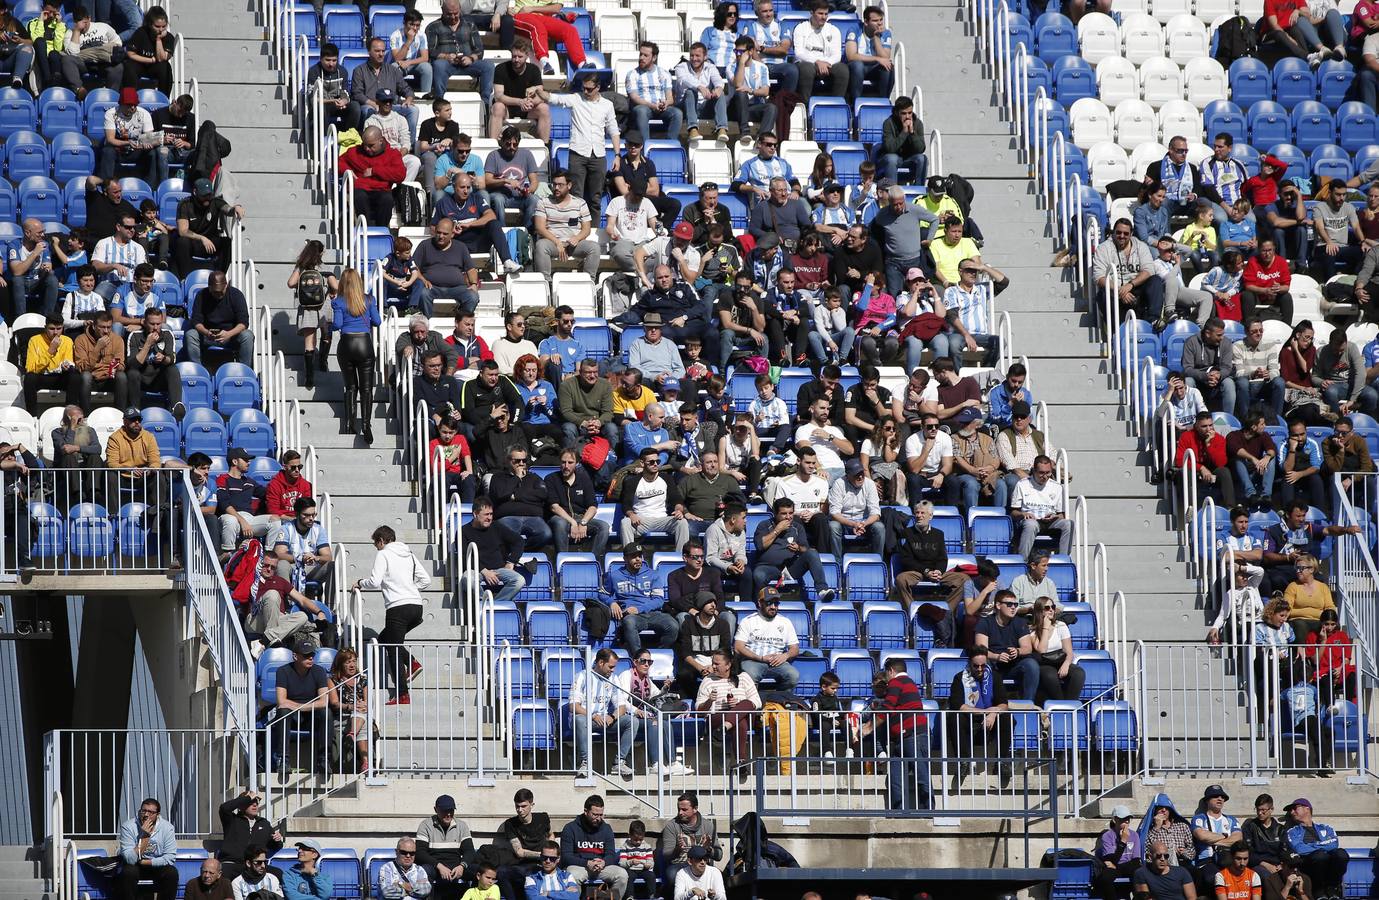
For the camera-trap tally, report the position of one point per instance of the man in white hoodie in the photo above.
(401, 578)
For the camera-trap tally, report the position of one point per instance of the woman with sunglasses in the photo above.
(881, 461)
(1307, 598)
(1059, 677)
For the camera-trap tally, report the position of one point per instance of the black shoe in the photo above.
(179, 409)
(367, 433)
(309, 376)
(282, 774)
(529, 567)
(323, 356)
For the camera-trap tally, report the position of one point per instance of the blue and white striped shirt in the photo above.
(838, 215)
(719, 41)
(128, 255)
(134, 305)
(653, 85)
(763, 35)
(757, 76)
(299, 545)
(1219, 281)
(971, 306)
(1227, 177)
(758, 172)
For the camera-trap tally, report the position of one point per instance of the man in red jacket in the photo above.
(1209, 450)
(377, 168)
(286, 486)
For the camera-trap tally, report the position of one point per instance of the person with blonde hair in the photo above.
(1307, 598)
(354, 317)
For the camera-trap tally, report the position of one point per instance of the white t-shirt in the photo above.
(828, 456)
(635, 225)
(943, 446)
(1053, 640)
(1042, 502)
(766, 638)
(651, 498)
(808, 496)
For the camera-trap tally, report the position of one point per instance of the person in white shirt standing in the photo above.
(699, 880)
(818, 46)
(591, 118)
(401, 578)
(1037, 508)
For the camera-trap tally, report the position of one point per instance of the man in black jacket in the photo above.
(220, 319)
(574, 505)
(499, 552)
(686, 587)
(480, 397)
(924, 560)
(520, 501)
(445, 847)
(496, 439)
(243, 826)
(858, 257)
(438, 391)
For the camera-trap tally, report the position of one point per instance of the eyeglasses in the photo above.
(296, 468)
(1177, 149)
(644, 662)
(1160, 856)
(406, 853)
(550, 859)
(932, 427)
(695, 556)
(771, 604)
(518, 460)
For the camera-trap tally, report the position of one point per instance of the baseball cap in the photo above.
(915, 272)
(768, 593)
(684, 230)
(305, 645)
(1301, 801)
(833, 187)
(853, 468)
(1216, 790)
(310, 844)
(936, 184)
(1121, 812)
(670, 385)
(445, 803)
(235, 453)
(1019, 409)
(202, 187)
(768, 241)
(384, 96)
(133, 413)
(633, 549)
(129, 97)
(698, 853)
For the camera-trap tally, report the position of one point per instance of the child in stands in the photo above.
(638, 858)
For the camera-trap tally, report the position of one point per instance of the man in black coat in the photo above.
(438, 391)
(520, 499)
(244, 827)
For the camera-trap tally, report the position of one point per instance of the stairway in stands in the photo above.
(1066, 368)
(240, 91)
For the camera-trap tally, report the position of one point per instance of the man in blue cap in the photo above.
(445, 848)
(305, 880)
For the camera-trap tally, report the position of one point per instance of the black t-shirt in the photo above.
(858, 402)
(243, 494)
(1001, 638)
(635, 176)
(432, 131)
(142, 43)
(183, 127)
(101, 214)
(515, 84)
(301, 688)
(533, 835)
(202, 220)
(742, 311)
(812, 391)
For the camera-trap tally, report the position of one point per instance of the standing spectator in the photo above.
(901, 228)
(202, 230)
(511, 176)
(303, 699)
(563, 227)
(517, 92)
(766, 641)
(649, 89)
(701, 91)
(128, 137)
(147, 850)
(591, 118)
(589, 850)
(220, 320)
(445, 848)
(401, 878)
(340, 110)
(1256, 364)
(1137, 285)
(1037, 508)
(377, 168)
(49, 364)
(447, 270)
(400, 576)
(818, 47)
(1208, 448)
(573, 503)
(354, 315)
(902, 145)
(149, 51)
(869, 57)
(908, 778)
(1118, 854)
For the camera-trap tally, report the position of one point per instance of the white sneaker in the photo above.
(511, 266)
(828, 754)
(680, 768)
(1315, 59)
(623, 769)
(582, 772)
(256, 650)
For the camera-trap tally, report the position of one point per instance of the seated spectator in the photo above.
(445, 849)
(1118, 854)
(31, 278)
(129, 138)
(902, 145)
(703, 632)
(866, 403)
(725, 550)
(731, 701)
(402, 287)
(520, 501)
(447, 270)
(1180, 403)
(257, 877)
(929, 460)
(209, 884)
(1208, 449)
(766, 642)
(676, 303)
(498, 438)
(595, 703)
(1059, 677)
(302, 546)
(977, 476)
(652, 502)
(1034, 584)
(563, 226)
(1267, 278)
(303, 697)
(377, 168)
(780, 214)
(438, 391)
(499, 552)
(509, 349)
(825, 439)
(831, 338)
(854, 508)
(1002, 397)
(701, 92)
(787, 312)
(649, 432)
(397, 131)
(469, 348)
(968, 302)
(1134, 274)
(1266, 837)
(698, 880)
(1346, 452)
(561, 352)
(1318, 848)
(239, 501)
(511, 177)
(920, 396)
(477, 225)
(1300, 465)
(49, 365)
(573, 502)
(1213, 831)
(220, 321)
(631, 222)
(152, 362)
(589, 850)
(1007, 637)
(147, 849)
(278, 611)
(449, 164)
(708, 490)
(177, 126)
(808, 490)
(1225, 296)
(1257, 378)
(1161, 877)
(658, 359)
(959, 396)
(305, 880)
(133, 298)
(705, 213)
(587, 401)
(923, 559)
(286, 487)
(460, 477)
(978, 689)
(340, 110)
(482, 398)
(75, 444)
(1332, 653)
(1241, 604)
(550, 881)
(881, 461)
(411, 346)
(634, 595)
(649, 92)
(401, 877)
(1208, 365)
(1251, 453)
(149, 47)
(1036, 508)
(697, 439)
(750, 93)
(1307, 598)
(1341, 368)
(634, 167)
(203, 230)
(82, 303)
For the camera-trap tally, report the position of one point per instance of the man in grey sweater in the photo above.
(688, 829)
(380, 73)
(1129, 259)
(1341, 363)
(1209, 365)
(655, 357)
(725, 548)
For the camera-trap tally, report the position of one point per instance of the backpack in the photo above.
(411, 213)
(311, 289)
(1236, 38)
(519, 246)
(240, 569)
(960, 189)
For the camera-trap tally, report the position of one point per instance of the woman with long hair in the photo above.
(822, 174)
(882, 461)
(148, 52)
(349, 697)
(1059, 677)
(354, 318)
(718, 38)
(1296, 361)
(314, 289)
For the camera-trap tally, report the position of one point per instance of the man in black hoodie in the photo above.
(242, 826)
(520, 500)
(588, 850)
(498, 437)
(481, 397)
(445, 847)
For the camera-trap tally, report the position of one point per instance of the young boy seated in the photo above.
(402, 285)
(637, 856)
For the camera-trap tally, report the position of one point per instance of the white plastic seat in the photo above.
(1252, 10)
(1124, 208)
(1117, 81)
(528, 289)
(1197, 153)
(1208, 10)
(1131, 7)
(575, 290)
(105, 421)
(1135, 123)
(1187, 39)
(1144, 156)
(1098, 36)
(1091, 122)
(1180, 118)
(617, 30)
(49, 419)
(800, 155)
(666, 29)
(1204, 80)
(1168, 10)
(1161, 81)
(18, 427)
(1107, 162)
(621, 62)
(712, 164)
(481, 147)
(1362, 333)
(1307, 299)
(695, 23)
(469, 112)
(1142, 38)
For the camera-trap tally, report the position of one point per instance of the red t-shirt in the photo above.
(1256, 275)
(1285, 11)
(455, 452)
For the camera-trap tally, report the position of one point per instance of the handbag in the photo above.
(1053, 657)
(924, 326)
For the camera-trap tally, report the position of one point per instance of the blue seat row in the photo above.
(205, 431)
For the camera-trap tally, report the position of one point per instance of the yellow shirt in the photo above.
(946, 258)
(945, 207)
(39, 361)
(1198, 237)
(1304, 604)
(475, 894)
(635, 407)
(140, 452)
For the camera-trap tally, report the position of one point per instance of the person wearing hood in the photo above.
(401, 578)
(588, 849)
(1167, 827)
(242, 826)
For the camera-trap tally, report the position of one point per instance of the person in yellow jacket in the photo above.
(49, 364)
(49, 33)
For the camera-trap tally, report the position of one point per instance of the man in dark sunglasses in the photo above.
(287, 486)
(1160, 879)
(1125, 262)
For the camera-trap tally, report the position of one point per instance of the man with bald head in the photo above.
(447, 269)
(1160, 879)
(681, 312)
(209, 885)
(477, 225)
(377, 169)
(33, 286)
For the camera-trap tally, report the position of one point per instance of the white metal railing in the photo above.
(314, 750)
(1356, 578)
(62, 853)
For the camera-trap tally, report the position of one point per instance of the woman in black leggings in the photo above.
(355, 317)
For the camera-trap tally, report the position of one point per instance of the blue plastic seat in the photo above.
(50, 530)
(1357, 126)
(153, 99)
(384, 19)
(870, 113)
(533, 728)
(848, 157)
(559, 667)
(1330, 161)
(547, 624)
(72, 157)
(989, 530)
(515, 668)
(252, 430)
(504, 622)
(885, 625)
(262, 469)
(131, 531)
(165, 430)
(1313, 125)
(1250, 81)
(1073, 79)
(17, 112)
(1113, 725)
(540, 584)
(1334, 79)
(830, 118)
(59, 114)
(40, 198)
(204, 431)
(136, 190)
(236, 388)
(798, 615)
(91, 535)
(196, 385)
(836, 625)
(1055, 36)
(948, 520)
(1223, 115)
(855, 670)
(1174, 336)
(26, 154)
(343, 25)
(580, 575)
(865, 577)
(1269, 123)
(1063, 573)
(1084, 630)
(1298, 166)
(1100, 669)
(303, 23)
(669, 159)
(944, 664)
(1067, 726)
(1294, 82)
(1020, 31)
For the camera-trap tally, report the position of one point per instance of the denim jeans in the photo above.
(945, 343)
(242, 345)
(25, 291)
(875, 538)
(896, 267)
(970, 492)
(882, 77)
(1219, 399)
(786, 675)
(500, 200)
(1340, 392)
(481, 70)
(1265, 392)
(843, 338)
(673, 117)
(510, 583)
(694, 109)
(1252, 484)
(533, 530)
(907, 775)
(888, 167)
(1026, 673)
(662, 624)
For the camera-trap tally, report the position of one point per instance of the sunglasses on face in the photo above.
(643, 662)
(550, 859)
